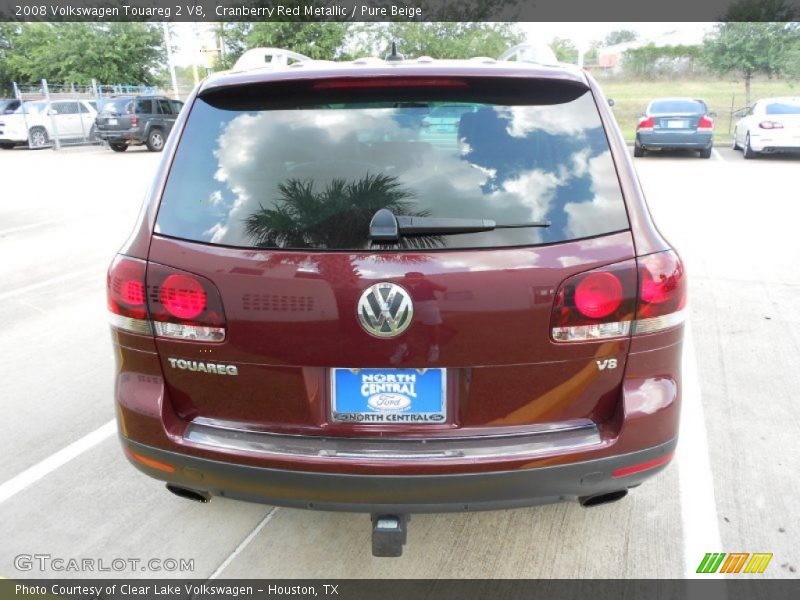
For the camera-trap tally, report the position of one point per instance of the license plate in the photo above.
(389, 396)
(113, 122)
(677, 124)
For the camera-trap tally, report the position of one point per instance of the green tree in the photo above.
(620, 36)
(322, 41)
(336, 217)
(440, 39)
(565, 49)
(747, 49)
(129, 53)
(8, 33)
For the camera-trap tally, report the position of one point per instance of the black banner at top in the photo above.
(400, 10)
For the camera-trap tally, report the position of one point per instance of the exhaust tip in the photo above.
(194, 495)
(598, 499)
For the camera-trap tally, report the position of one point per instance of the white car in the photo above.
(36, 123)
(770, 125)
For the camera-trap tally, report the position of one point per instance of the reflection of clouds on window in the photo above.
(525, 120)
(603, 206)
(511, 164)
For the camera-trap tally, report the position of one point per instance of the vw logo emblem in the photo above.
(385, 310)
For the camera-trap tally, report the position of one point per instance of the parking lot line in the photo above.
(4, 232)
(698, 503)
(244, 543)
(717, 155)
(43, 468)
(50, 281)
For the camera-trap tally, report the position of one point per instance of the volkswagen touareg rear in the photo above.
(398, 287)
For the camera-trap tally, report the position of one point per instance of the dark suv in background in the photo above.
(135, 120)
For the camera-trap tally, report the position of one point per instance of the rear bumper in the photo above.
(771, 145)
(402, 493)
(120, 136)
(667, 140)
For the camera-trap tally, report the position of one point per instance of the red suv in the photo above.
(336, 300)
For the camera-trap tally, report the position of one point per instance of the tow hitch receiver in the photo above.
(389, 534)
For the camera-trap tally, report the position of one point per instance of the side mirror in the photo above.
(52, 112)
(611, 102)
(425, 123)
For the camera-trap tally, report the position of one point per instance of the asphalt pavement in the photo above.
(67, 491)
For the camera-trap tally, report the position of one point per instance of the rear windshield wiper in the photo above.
(386, 227)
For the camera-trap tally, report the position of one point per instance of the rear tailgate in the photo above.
(271, 201)
(292, 317)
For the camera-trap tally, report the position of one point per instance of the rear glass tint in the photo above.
(117, 106)
(783, 108)
(680, 107)
(313, 175)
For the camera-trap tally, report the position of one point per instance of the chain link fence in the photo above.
(54, 115)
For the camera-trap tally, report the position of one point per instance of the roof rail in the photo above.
(258, 58)
(534, 53)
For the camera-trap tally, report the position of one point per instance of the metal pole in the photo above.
(53, 123)
(18, 96)
(171, 64)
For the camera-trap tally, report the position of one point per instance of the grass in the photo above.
(631, 98)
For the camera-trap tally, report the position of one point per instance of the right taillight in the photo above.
(632, 297)
(151, 298)
(662, 292)
(595, 305)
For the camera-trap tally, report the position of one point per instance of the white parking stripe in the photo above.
(4, 232)
(717, 155)
(52, 280)
(698, 504)
(33, 474)
(245, 542)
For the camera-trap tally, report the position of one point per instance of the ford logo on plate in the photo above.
(389, 402)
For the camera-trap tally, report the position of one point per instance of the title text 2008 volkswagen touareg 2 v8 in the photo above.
(398, 287)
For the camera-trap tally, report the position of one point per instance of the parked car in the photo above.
(675, 123)
(8, 105)
(135, 120)
(771, 125)
(318, 309)
(36, 123)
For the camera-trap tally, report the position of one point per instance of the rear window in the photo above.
(117, 106)
(310, 172)
(679, 107)
(783, 108)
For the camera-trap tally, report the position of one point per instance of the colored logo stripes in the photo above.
(734, 562)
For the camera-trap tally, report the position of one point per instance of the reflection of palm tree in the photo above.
(337, 217)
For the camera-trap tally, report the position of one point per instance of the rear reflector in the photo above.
(149, 462)
(390, 82)
(645, 466)
(171, 303)
(621, 299)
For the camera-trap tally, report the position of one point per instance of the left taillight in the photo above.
(127, 297)
(164, 301)
(184, 305)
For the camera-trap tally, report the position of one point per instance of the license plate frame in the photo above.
(389, 402)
